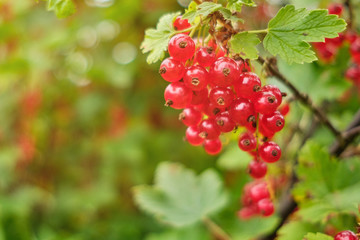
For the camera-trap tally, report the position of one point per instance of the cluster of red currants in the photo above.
(346, 235)
(256, 201)
(219, 94)
(328, 50)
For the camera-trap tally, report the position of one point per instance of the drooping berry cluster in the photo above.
(218, 94)
(256, 201)
(328, 50)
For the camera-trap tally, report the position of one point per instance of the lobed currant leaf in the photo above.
(295, 230)
(204, 9)
(156, 40)
(62, 8)
(229, 16)
(244, 44)
(236, 5)
(291, 29)
(179, 197)
(317, 236)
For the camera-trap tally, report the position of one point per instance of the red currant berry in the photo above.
(284, 109)
(213, 147)
(350, 36)
(247, 142)
(266, 132)
(259, 191)
(177, 95)
(224, 72)
(172, 70)
(270, 152)
(224, 122)
(205, 56)
(275, 91)
(273, 122)
(266, 207)
(242, 64)
(211, 110)
(353, 74)
(181, 47)
(181, 24)
(221, 97)
(266, 103)
(196, 78)
(241, 111)
(355, 50)
(345, 235)
(257, 169)
(248, 85)
(199, 97)
(190, 117)
(192, 136)
(247, 212)
(335, 8)
(209, 129)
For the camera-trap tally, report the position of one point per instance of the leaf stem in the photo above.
(216, 230)
(257, 31)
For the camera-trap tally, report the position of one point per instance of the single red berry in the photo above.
(270, 152)
(259, 191)
(353, 73)
(190, 117)
(247, 212)
(242, 64)
(257, 169)
(181, 47)
(266, 103)
(177, 95)
(248, 85)
(335, 8)
(273, 90)
(266, 207)
(181, 24)
(213, 146)
(192, 136)
(172, 70)
(266, 132)
(211, 110)
(242, 111)
(247, 142)
(209, 129)
(284, 109)
(224, 122)
(205, 56)
(224, 72)
(273, 122)
(345, 235)
(196, 78)
(355, 50)
(221, 97)
(199, 97)
(350, 36)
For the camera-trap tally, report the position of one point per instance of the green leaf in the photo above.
(236, 5)
(317, 236)
(204, 10)
(326, 186)
(233, 159)
(179, 197)
(229, 16)
(291, 29)
(156, 40)
(295, 230)
(62, 8)
(244, 44)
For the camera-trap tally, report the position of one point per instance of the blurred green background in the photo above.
(82, 121)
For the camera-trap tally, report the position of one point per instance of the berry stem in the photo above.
(216, 230)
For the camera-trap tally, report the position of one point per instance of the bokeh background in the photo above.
(82, 121)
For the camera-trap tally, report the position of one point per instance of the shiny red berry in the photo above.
(205, 56)
(335, 8)
(181, 47)
(213, 147)
(221, 97)
(274, 90)
(172, 70)
(177, 95)
(190, 116)
(242, 111)
(247, 142)
(265, 103)
(209, 129)
(257, 169)
(196, 78)
(273, 122)
(259, 191)
(270, 152)
(224, 72)
(224, 122)
(266, 207)
(181, 24)
(192, 136)
(199, 97)
(248, 85)
(345, 235)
